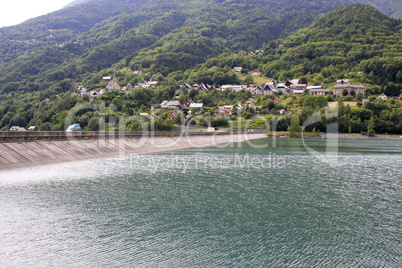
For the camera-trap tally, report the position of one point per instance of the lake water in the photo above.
(281, 205)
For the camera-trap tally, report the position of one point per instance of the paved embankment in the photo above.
(21, 151)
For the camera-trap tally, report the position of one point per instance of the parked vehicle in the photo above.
(17, 128)
(74, 127)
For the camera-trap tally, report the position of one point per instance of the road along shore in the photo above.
(17, 153)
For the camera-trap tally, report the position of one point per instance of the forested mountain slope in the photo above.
(340, 43)
(95, 35)
(367, 48)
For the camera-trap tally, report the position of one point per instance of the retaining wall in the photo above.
(12, 136)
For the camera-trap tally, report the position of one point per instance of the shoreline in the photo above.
(360, 137)
(28, 154)
(337, 136)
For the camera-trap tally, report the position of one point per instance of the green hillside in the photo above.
(196, 41)
(366, 48)
(342, 44)
(92, 36)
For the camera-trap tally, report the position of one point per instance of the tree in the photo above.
(248, 80)
(93, 124)
(269, 104)
(345, 92)
(18, 120)
(303, 80)
(370, 127)
(194, 111)
(320, 78)
(320, 102)
(295, 128)
(359, 96)
(315, 132)
(392, 90)
(399, 76)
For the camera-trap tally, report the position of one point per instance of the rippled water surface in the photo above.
(283, 205)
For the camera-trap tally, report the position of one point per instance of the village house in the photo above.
(364, 101)
(205, 87)
(341, 86)
(234, 88)
(319, 91)
(256, 73)
(220, 110)
(297, 87)
(152, 83)
(107, 78)
(250, 100)
(32, 128)
(252, 105)
(269, 91)
(188, 102)
(138, 72)
(238, 69)
(127, 88)
(143, 85)
(176, 105)
(276, 100)
(313, 87)
(297, 92)
(270, 88)
(270, 85)
(281, 87)
(172, 116)
(83, 91)
(113, 84)
(149, 115)
(256, 90)
(147, 84)
(198, 106)
(188, 86)
(227, 109)
(292, 82)
(382, 97)
(399, 98)
(342, 81)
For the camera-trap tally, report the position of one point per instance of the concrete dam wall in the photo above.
(25, 149)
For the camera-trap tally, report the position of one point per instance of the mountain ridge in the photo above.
(76, 2)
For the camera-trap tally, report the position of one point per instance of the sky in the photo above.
(17, 11)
